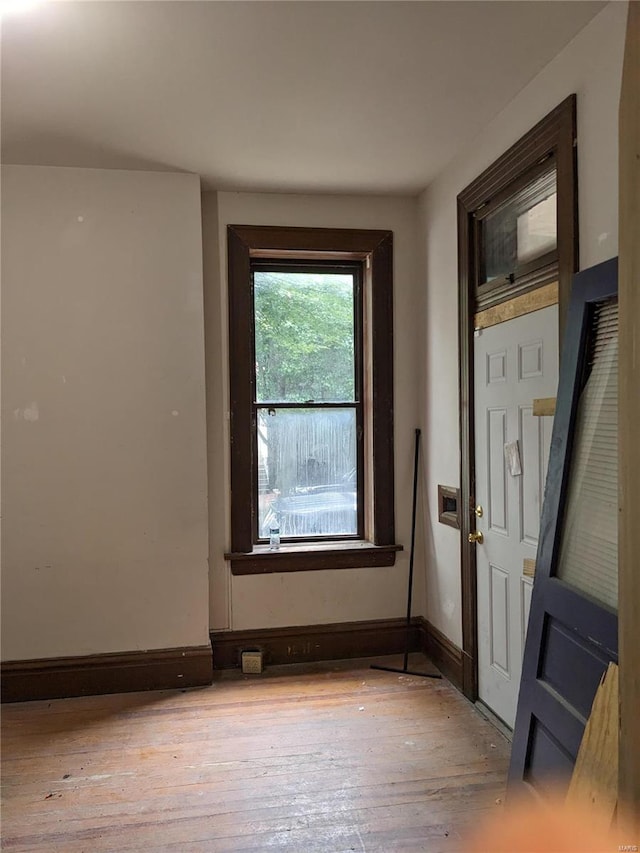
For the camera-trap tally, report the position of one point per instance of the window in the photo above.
(307, 400)
(311, 381)
(517, 232)
(517, 222)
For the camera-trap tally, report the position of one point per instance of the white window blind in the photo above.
(589, 547)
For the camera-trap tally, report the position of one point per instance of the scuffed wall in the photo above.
(104, 468)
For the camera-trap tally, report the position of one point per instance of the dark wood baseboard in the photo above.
(442, 652)
(302, 644)
(121, 672)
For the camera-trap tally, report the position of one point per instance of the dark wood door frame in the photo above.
(554, 136)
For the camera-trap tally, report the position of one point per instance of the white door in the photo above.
(515, 362)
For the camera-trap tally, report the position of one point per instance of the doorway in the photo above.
(509, 268)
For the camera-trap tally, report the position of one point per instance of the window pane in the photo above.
(304, 337)
(521, 230)
(307, 471)
(589, 549)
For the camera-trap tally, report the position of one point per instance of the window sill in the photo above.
(308, 557)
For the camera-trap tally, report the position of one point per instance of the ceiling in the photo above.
(270, 96)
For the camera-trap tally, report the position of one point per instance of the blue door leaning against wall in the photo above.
(573, 623)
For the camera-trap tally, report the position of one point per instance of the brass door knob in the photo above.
(476, 537)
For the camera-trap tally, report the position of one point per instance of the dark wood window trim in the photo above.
(554, 136)
(375, 249)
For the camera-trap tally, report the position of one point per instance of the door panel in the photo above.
(499, 619)
(572, 635)
(530, 360)
(496, 367)
(515, 362)
(497, 486)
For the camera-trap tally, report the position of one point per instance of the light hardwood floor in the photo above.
(325, 757)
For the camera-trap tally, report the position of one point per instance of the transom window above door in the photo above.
(517, 233)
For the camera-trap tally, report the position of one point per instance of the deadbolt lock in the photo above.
(479, 511)
(476, 537)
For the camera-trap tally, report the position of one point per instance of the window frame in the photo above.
(335, 266)
(525, 276)
(374, 249)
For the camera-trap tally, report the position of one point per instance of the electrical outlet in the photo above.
(251, 662)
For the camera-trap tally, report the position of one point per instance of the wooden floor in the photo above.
(325, 757)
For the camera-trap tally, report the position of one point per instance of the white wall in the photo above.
(262, 601)
(104, 464)
(590, 66)
(104, 488)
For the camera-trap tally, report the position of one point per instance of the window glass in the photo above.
(307, 472)
(304, 336)
(521, 230)
(589, 549)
